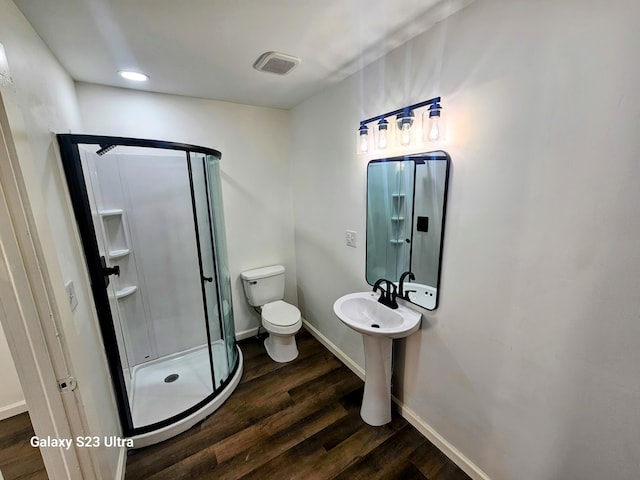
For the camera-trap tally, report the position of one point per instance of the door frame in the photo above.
(29, 316)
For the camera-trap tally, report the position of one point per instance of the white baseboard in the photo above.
(13, 409)
(353, 366)
(122, 464)
(439, 441)
(407, 413)
(246, 333)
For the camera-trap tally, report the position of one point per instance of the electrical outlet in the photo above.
(351, 238)
(71, 295)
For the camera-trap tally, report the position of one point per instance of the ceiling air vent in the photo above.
(276, 62)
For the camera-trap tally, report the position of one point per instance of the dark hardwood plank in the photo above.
(428, 460)
(259, 363)
(310, 460)
(389, 459)
(264, 429)
(299, 420)
(18, 459)
(451, 472)
(251, 402)
(249, 461)
(408, 472)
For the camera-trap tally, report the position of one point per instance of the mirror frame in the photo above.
(439, 155)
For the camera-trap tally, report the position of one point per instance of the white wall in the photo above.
(43, 101)
(530, 365)
(255, 169)
(11, 396)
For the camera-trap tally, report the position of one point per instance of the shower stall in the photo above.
(151, 223)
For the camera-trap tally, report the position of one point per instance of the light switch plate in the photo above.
(71, 295)
(351, 238)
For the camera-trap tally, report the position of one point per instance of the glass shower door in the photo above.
(216, 285)
(224, 276)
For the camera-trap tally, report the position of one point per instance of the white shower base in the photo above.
(154, 400)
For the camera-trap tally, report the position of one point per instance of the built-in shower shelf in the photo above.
(125, 292)
(111, 212)
(120, 252)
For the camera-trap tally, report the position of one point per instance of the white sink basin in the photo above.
(362, 312)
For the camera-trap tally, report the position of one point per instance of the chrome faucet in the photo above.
(388, 294)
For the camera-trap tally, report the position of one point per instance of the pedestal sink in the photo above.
(379, 325)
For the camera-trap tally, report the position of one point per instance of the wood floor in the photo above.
(293, 421)
(18, 459)
(284, 421)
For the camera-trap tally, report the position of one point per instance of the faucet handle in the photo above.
(406, 294)
(392, 295)
(391, 288)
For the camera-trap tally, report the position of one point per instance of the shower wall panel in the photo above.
(131, 320)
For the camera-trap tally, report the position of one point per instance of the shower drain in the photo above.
(171, 378)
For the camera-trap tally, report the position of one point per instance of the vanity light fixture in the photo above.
(427, 128)
(134, 76)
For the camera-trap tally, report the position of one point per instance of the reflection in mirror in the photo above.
(406, 204)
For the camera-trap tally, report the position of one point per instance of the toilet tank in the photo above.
(263, 285)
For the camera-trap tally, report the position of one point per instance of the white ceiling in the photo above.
(206, 48)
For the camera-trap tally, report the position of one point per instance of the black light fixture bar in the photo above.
(405, 110)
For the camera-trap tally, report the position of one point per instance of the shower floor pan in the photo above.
(153, 399)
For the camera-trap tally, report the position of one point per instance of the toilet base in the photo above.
(281, 348)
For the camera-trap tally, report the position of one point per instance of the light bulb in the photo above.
(363, 139)
(405, 134)
(405, 122)
(431, 128)
(364, 143)
(383, 140)
(434, 129)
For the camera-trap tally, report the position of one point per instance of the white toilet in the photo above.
(264, 288)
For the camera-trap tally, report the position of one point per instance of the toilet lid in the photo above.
(280, 313)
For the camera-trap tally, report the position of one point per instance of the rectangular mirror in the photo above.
(406, 205)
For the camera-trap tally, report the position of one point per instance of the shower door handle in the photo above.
(106, 271)
(207, 279)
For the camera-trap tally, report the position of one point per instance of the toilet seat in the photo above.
(281, 317)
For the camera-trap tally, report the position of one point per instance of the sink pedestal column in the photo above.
(376, 402)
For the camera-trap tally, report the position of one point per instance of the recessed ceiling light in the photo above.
(135, 76)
